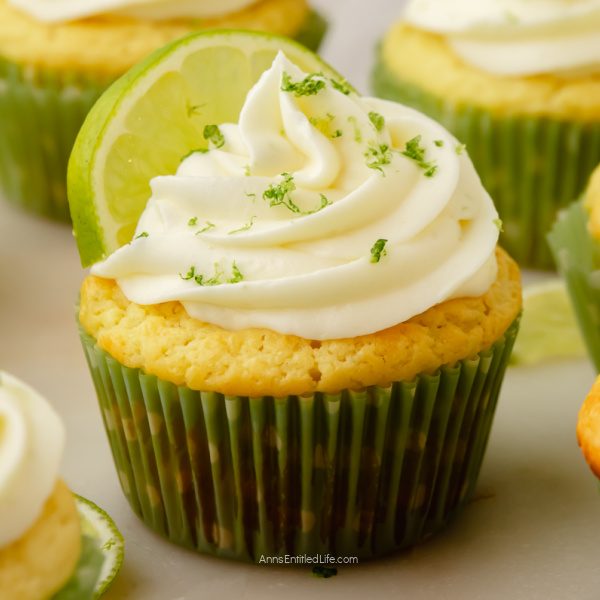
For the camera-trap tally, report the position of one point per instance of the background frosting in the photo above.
(53, 11)
(516, 37)
(308, 270)
(31, 447)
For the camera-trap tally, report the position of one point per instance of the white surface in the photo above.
(534, 531)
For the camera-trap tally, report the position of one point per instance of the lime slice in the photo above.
(152, 117)
(102, 551)
(549, 328)
(97, 524)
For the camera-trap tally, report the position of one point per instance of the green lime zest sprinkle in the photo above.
(236, 274)
(245, 227)
(309, 86)
(341, 86)
(378, 156)
(324, 202)
(247, 170)
(337, 133)
(218, 277)
(377, 120)
(144, 234)
(206, 228)
(194, 151)
(460, 148)
(213, 134)
(439, 143)
(416, 152)
(193, 222)
(357, 132)
(190, 274)
(281, 195)
(378, 250)
(499, 224)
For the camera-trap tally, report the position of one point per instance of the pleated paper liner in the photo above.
(532, 167)
(40, 115)
(359, 473)
(577, 257)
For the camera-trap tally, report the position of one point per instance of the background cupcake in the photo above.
(301, 346)
(519, 83)
(575, 243)
(57, 57)
(588, 428)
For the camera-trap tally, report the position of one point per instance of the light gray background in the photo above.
(533, 531)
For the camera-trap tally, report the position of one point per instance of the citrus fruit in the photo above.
(152, 117)
(548, 327)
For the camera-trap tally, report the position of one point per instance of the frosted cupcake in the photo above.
(301, 348)
(57, 57)
(52, 545)
(519, 83)
(40, 534)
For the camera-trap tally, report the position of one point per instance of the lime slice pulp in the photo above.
(152, 117)
(548, 328)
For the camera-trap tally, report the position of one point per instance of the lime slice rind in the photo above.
(98, 523)
(109, 170)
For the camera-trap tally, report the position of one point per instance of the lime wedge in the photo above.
(152, 117)
(98, 525)
(549, 328)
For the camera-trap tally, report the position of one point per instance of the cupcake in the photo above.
(519, 83)
(575, 243)
(56, 58)
(40, 533)
(301, 348)
(50, 541)
(588, 426)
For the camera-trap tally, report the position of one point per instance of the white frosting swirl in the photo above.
(31, 447)
(516, 37)
(308, 271)
(55, 11)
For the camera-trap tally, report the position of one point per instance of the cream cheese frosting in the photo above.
(55, 11)
(320, 213)
(516, 37)
(31, 447)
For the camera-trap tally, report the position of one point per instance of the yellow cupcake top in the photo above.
(106, 47)
(427, 61)
(163, 340)
(592, 204)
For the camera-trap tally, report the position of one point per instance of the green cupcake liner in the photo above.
(359, 473)
(40, 115)
(532, 167)
(577, 257)
(313, 31)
